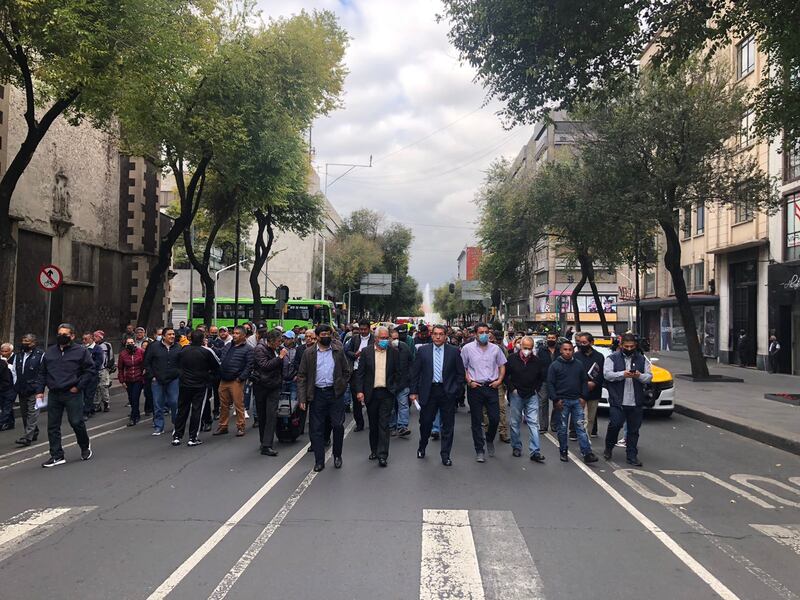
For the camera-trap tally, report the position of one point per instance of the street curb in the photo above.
(771, 438)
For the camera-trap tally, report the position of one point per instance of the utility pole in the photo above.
(238, 260)
(636, 286)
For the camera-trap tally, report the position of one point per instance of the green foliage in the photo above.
(450, 306)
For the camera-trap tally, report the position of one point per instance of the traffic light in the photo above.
(282, 294)
(496, 297)
(452, 288)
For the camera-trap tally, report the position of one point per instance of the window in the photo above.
(746, 56)
(687, 224)
(687, 276)
(743, 212)
(791, 169)
(82, 262)
(793, 226)
(649, 284)
(542, 278)
(700, 219)
(699, 276)
(746, 134)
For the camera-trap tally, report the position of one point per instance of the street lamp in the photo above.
(216, 278)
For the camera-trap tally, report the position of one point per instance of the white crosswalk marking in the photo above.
(788, 535)
(29, 527)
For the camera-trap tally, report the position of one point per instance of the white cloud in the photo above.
(405, 83)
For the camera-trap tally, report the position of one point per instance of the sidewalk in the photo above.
(739, 407)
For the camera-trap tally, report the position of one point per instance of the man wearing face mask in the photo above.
(524, 377)
(485, 367)
(593, 362)
(66, 370)
(547, 354)
(404, 363)
(268, 381)
(26, 366)
(626, 372)
(376, 383)
(356, 344)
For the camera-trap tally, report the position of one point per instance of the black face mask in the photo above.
(131, 348)
(325, 341)
(587, 349)
(628, 352)
(213, 336)
(551, 343)
(403, 337)
(63, 339)
(25, 347)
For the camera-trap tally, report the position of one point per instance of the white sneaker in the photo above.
(246, 415)
(621, 443)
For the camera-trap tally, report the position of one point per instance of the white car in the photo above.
(662, 388)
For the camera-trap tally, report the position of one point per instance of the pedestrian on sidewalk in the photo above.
(66, 370)
(524, 377)
(626, 372)
(237, 363)
(161, 368)
(26, 367)
(567, 385)
(131, 376)
(268, 358)
(773, 352)
(198, 366)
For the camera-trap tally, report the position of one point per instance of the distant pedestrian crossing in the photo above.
(32, 526)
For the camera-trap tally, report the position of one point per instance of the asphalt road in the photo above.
(711, 515)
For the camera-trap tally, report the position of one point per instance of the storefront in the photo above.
(784, 313)
(663, 326)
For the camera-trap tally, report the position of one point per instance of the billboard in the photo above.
(376, 284)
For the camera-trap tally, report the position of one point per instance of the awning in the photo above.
(672, 301)
(755, 243)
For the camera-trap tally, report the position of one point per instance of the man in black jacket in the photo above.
(161, 367)
(401, 413)
(524, 377)
(376, 384)
(355, 345)
(567, 385)
(547, 354)
(237, 362)
(268, 382)
(198, 368)
(26, 363)
(593, 363)
(66, 370)
(7, 391)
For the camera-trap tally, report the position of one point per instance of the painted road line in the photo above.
(747, 481)
(788, 535)
(698, 569)
(629, 476)
(759, 573)
(44, 444)
(736, 490)
(449, 567)
(241, 565)
(506, 565)
(31, 526)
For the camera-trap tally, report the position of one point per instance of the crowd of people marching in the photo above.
(198, 376)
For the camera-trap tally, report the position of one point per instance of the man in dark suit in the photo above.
(437, 383)
(376, 386)
(355, 345)
(26, 364)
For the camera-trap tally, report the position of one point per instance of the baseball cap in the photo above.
(101, 333)
(261, 326)
(289, 335)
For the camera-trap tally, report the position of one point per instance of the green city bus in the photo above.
(304, 312)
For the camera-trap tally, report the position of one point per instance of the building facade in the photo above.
(468, 262)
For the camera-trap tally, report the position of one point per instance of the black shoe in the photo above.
(194, 442)
(106, 408)
(543, 430)
(206, 427)
(404, 432)
(176, 441)
(635, 462)
(573, 437)
(373, 456)
(516, 452)
(35, 435)
(359, 428)
(147, 413)
(23, 441)
(131, 422)
(347, 408)
(310, 449)
(447, 462)
(337, 462)
(537, 457)
(327, 443)
(607, 454)
(435, 435)
(420, 453)
(268, 451)
(255, 423)
(564, 457)
(87, 454)
(318, 467)
(6, 427)
(382, 462)
(393, 432)
(553, 428)
(54, 462)
(589, 458)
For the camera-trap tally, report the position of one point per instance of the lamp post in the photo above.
(216, 279)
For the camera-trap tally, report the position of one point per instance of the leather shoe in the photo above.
(590, 458)
(373, 456)
(382, 462)
(220, 431)
(635, 462)
(607, 454)
(564, 457)
(447, 462)
(268, 452)
(318, 467)
(337, 462)
(420, 453)
(516, 452)
(434, 436)
(537, 457)
(23, 441)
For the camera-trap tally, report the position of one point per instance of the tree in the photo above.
(669, 146)
(72, 59)
(451, 307)
(541, 54)
(349, 258)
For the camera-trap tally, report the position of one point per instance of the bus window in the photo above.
(227, 311)
(298, 313)
(322, 314)
(198, 312)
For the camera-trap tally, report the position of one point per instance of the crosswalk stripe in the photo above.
(506, 564)
(29, 527)
(788, 535)
(449, 566)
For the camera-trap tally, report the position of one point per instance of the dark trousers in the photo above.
(439, 402)
(216, 399)
(358, 415)
(480, 398)
(190, 399)
(326, 404)
(73, 404)
(88, 397)
(267, 409)
(624, 415)
(7, 407)
(206, 418)
(148, 396)
(134, 393)
(379, 412)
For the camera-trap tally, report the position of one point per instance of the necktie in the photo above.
(437, 364)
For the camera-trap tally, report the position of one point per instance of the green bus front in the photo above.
(303, 312)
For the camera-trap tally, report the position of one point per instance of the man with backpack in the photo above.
(107, 367)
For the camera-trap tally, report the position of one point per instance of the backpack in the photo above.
(110, 360)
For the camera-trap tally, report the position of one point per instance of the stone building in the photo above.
(89, 210)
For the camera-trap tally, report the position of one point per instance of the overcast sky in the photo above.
(411, 105)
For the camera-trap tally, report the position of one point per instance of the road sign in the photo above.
(376, 284)
(50, 278)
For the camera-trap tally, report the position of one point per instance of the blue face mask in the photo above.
(383, 344)
(483, 338)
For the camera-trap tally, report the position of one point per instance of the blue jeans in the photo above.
(573, 408)
(530, 406)
(164, 396)
(400, 415)
(437, 423)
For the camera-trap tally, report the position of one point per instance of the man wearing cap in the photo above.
(140, 337)
(289, 368)
(101, 397)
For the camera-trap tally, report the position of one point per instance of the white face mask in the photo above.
(526, 352)
(395, 343)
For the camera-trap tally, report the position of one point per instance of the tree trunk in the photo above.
(587, 269)
(202, 267)
(190, 198)
(574, 300)
(262, 250)
(672, 261)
